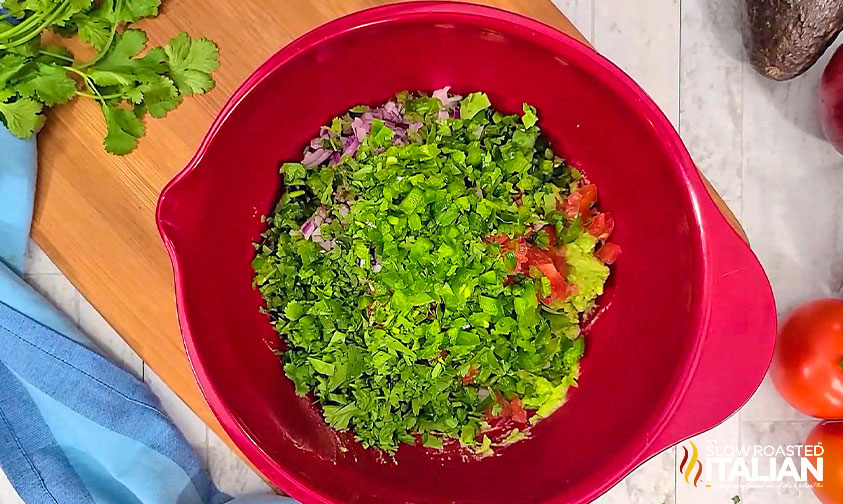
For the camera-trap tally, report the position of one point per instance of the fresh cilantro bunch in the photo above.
(402, 310)
(126, 84)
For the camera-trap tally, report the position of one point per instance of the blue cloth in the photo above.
(17, 180)
(74, 427)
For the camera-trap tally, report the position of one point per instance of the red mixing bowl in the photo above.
(689, 323)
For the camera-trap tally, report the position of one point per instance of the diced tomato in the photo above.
(519, 414)
(536, 256)
(589, 196)
(557, 254)
(610, 227)
(469, 377)
(601, 226)
(552, 238)
(579, 202)
(559, 288)
(522, 253)
(608, 253)
(571, 205)
(597, 225)
(557, 282)
(506, 409)
(551, 261)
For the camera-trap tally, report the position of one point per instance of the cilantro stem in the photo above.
(58, 56)
(36, 31)
(98, 97)
(23, 25)
(96, 91)
(118, 5)
(77, 72)
(90, 84)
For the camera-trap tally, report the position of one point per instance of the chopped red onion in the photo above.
(350, 145)
(361, 126)
(315, 158)
(448, 100)
(307, 229)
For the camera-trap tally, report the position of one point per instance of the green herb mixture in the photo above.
(127, 86)
(414, 267)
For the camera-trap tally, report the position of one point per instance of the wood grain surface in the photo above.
(94, 213)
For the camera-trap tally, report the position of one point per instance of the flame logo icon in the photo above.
(691, 464)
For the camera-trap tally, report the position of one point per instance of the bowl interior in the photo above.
(636, 350)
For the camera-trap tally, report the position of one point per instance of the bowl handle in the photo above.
(739, 335)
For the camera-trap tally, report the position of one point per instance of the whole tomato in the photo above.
(830, 436)
(806, 367)
(831, 100)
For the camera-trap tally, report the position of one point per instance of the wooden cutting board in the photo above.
(95, 213)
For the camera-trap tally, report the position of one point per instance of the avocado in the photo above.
(785, 37)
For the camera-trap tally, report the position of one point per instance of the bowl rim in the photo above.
(597, 65)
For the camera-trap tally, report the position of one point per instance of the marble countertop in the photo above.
(758, 142)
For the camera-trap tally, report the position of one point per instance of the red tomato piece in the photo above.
(610, 227)
(520, 248)
(472, 373)
(601, 226)
(519, 414)
(598, 225)
(579, 202)
(589, 196)
(557, 254)
(571, 205)
(559, 288)
(506, 410)
(536, 256)
(608, 253)
(552, 237)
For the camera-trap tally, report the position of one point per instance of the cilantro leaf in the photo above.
(10, 66)
(529, 118)
(159, 97)
(134, 10)
(124, 129)
(473, 104)
(93, 29)
(50, 84)
(22, 117)
(340, 416)
(191, 63)
(120, 58)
